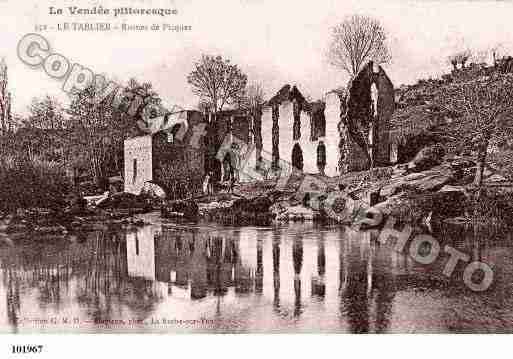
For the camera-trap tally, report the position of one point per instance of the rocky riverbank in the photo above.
(114, 211)
(430, 188)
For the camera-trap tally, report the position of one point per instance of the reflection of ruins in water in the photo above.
(197, 264)
(298, 275)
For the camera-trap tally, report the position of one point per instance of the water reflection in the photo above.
(295, 279)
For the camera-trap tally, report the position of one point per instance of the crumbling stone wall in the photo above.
(385, 110)
(138, 163)
(365, 126)
(334, 106)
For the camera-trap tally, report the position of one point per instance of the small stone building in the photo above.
(165, 155)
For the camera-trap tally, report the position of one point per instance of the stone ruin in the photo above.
(365, 120)
(348, 131)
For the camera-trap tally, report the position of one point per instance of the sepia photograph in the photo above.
(255, 167)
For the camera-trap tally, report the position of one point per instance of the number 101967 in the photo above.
(26, 349)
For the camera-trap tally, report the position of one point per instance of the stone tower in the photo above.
(365, 125)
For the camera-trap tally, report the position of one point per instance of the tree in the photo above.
(356, 41)
(45, 113)
(460, 57)
(497, 51)
(479, 56)
(487, 115)
(253, 97)
(95, 132)
(217, 82)
(137, 98)
(5, 101)
(253, 102)
(43, 132)
(203, 107)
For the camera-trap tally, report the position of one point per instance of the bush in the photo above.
(32, 183)
(492, 206)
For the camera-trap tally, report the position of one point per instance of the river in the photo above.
(296, 278)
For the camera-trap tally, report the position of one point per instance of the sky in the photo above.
(275, 42)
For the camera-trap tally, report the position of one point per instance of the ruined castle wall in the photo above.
(286, 123)
(138, 157)
(332, 139)
(308, 147)
(386, 107)
(267, 128)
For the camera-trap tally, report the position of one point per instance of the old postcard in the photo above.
(255, 166)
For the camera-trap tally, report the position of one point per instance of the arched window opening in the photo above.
(297, 157)
(321, 157)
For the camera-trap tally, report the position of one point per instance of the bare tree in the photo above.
(253, 97)
(479, 56)
(497, 51)
(46, 113)
(203, 106)
(5, 100)
(96, 130)
(254, 100)
(356, 41)
(460, 57)
(452, 60)
(487, 109)
(217, 82)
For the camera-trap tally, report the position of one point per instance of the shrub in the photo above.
(32, 183)
(492, 206)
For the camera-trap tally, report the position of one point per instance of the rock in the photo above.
(457, 220)
(279, 208)
(427, 158)
(422, 181)
(95, 200)
(119, 200)
(461, 162)
(399, 173)
(206, 207)
(495, 178)
(413, 206)
(393, 205)
(342, 208)
(296, 213)
(431, 183)
(126, 201)
(399, 170)
(153, 190)
(186, 209)
(50, 229)
(450, 188)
